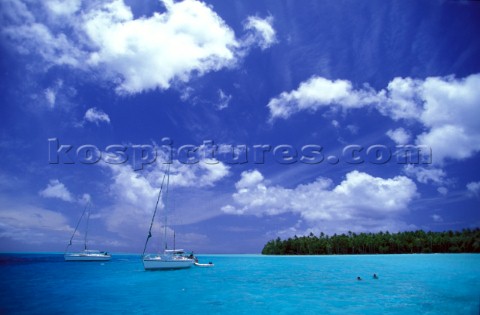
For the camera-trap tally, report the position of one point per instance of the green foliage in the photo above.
(466, 241)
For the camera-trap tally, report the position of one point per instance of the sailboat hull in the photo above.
(87, 257)
(158, 263)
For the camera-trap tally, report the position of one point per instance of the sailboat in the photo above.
(86, 254)
(170, 259)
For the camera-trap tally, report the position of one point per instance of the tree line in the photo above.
(465, 241)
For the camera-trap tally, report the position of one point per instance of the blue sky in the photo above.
(240, 74)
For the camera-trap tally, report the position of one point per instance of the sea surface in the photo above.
(243, 284)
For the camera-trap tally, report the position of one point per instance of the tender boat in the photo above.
(204, 265)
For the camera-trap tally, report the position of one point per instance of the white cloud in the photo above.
(96, 116)
(443, 190)
(359, 199)
(34, 225)
(223, 99)
(56, 94)
(353, 129)
(261, 32)
(150, 53)
(450, 108)
(401, 99)
(450, 141)
(138, 54)
(206, 173)
(446, 107)
(135, 192)
(37, 38)
(249, 179)
(50, 95)
(437, 218)
(318, 92)
(186, 93)
(55, 189)
(426, 175)
(62, 7)
(474, 188)
(399, 135)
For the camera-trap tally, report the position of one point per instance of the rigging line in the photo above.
(86, 230)
(76, 227)
(155, 212)
(166, 208)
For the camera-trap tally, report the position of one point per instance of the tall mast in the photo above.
(76, 227)
(154, 213)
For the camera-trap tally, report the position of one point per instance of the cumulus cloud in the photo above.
(62, 7)
(150, 52)
(96, 116)
(139, 54)
(249, 179)
(437, 218)
(318, 92)
(399, 135)
(359, 199)
(446, 107)
(401, 99)
(135, 192)
(56, 189)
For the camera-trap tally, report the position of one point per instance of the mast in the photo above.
(154, 213)
(173, 227)
(76, 227)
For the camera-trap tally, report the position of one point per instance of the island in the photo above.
(410, 242)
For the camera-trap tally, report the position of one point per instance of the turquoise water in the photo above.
(243, 284)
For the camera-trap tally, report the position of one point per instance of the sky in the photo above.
(274, 118)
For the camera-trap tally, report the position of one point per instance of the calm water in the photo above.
(243, 284)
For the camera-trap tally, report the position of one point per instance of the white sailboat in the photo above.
(86, 254)
(169, 259)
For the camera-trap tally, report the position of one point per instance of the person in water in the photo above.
(375, 276)
(358, 278)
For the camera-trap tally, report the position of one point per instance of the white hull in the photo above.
(157, 263)
(204, 265)
(86, 257)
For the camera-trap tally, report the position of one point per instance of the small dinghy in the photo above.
(204, 265)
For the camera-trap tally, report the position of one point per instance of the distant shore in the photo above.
(413, 242)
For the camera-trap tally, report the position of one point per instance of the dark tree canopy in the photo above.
(465, 241)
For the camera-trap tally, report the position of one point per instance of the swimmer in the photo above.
(375, 276)
(358, 278)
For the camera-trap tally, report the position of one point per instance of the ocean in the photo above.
(243, 284)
